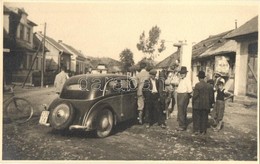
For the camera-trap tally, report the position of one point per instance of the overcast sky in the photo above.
(107, 28)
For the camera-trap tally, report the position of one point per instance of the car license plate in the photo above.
(44, 117)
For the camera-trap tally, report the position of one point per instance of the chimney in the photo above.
(59, 41)
(235, 24)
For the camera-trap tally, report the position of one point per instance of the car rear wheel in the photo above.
(61, 116)
(104, 123)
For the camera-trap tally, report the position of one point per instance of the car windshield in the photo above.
(83, 89)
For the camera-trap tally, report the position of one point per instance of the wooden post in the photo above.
(43, 57)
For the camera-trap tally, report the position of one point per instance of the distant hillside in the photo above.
(103, 60)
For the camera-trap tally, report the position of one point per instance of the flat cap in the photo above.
(153, 72)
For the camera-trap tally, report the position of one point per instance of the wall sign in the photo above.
(221, 64)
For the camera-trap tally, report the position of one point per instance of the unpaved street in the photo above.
(31, 141)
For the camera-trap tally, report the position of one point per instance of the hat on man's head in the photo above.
(153, 72)
(218, 73)
(221, 81)
(201, 74)
(143, 65)
(183, 70)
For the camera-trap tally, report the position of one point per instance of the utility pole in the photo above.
(43, 57)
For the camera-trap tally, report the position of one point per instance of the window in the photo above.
(253, 49)
(28, 35)
(21, 31)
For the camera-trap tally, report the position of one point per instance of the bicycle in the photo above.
(18, 110)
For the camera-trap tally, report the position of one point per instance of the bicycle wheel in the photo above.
(19, 110)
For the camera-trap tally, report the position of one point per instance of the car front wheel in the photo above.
(104, 123)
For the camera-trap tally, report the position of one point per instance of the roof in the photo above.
(170, 60)
(54, 43)
(31, 23)
(6, 10)
(73, 50)
(18, 11)
(37, 43)
(213, 45)
(249, 27)
(229, 46)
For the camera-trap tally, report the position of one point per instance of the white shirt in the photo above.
(59, 81)
(184, 86)
(154, 90)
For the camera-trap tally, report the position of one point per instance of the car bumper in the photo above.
(44, 121)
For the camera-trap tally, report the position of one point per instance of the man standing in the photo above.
(140, 78)
(183, 95)
(154, 100)
(60, 79)
(202, 100)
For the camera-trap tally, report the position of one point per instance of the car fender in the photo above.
(90, 119)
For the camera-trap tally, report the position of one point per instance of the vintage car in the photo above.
(92, 102)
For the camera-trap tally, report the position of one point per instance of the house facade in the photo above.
(215, 54)
(56, 56)
(78, 60)
(246, 77)
(18, 46)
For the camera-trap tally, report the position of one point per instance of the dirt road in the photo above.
(31, 141)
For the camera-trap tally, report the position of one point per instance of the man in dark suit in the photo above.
(154, 99)
(202, 100)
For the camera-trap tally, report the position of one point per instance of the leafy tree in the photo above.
(126, 57)
(151, 45)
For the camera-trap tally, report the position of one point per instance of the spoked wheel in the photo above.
(19, 110)
(104, 123)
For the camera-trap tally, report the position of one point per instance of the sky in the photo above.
(106, 28)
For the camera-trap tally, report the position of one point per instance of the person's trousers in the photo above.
(182, 103)
(200, 120)
(160, 111)
(150, 108)
(140, 103)
(218, 110)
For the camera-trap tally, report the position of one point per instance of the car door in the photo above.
(129, 99)
(113, 97)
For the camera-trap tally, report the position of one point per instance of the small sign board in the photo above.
(222, 65)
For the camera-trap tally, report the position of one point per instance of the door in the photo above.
(129, 99)
(252, 69)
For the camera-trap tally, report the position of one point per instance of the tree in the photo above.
(151, 45)
(126, 57)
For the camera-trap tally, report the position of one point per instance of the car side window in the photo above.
(113, 87)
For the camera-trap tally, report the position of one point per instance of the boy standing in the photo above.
(219, 107)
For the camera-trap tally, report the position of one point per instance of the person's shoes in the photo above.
(148, 126)
(195, 134)
(203, 133)
(215, 129)
(180, 129)
(215, 122)
(163, 126)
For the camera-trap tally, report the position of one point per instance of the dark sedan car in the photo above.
(92, 102)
